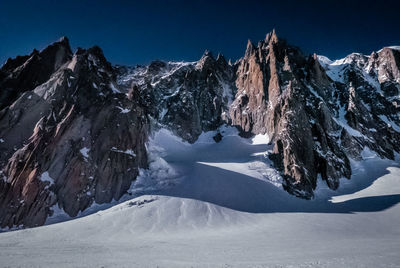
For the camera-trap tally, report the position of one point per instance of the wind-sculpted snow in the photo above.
(227, 217)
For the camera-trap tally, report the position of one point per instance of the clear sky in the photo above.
(136, 32)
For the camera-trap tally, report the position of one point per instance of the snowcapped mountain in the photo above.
(75, 130)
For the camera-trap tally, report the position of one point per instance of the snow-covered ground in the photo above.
(221, 205)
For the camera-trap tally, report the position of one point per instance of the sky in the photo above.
(137, 32)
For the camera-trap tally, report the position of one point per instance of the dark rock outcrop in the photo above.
(82, 142)
(26, 72)
(189, 98)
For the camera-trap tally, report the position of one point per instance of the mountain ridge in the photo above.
(65, 114)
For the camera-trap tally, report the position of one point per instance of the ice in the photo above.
(123, 110)
(127, 151)
(45, 177)
(389, 122)
(343, 122)
(163, 112)
(226, 92)
(114, 89)
(84, 151)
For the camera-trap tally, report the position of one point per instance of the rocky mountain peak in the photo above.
(249, 48)
(156, 66)
(206, 61)
(221, 59)
(80, 140)
(18, 61)
(35, 52)
(97, 51)
(61, 46)
(273, 37)
(75, 126)
(25, 73)
(207, 53)
(64, 39)
(276, 87)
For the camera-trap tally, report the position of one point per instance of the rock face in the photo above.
(370, 99)
(73, 127)
(282, 93)
(186, 97)
(69, 142)
(26, 72)
(315, 117)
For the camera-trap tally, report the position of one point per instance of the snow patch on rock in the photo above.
(123, 110)
(114, 89)
(45, 177)
(85, 152)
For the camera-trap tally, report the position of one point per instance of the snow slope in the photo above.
(223, 207)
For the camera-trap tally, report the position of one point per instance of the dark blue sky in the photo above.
(136, 32)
